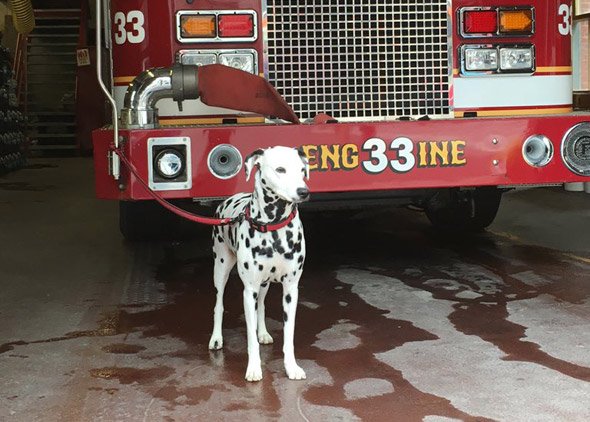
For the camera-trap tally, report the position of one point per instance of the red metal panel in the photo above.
(552, 48)
(471, 152)
(159, 45)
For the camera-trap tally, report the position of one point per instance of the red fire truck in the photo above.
(442, 104)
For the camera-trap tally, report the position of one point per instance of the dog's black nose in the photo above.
(303, 193)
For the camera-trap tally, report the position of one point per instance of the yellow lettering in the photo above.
(311, 151)
(458, 153)
(422, 152)
(439, 150)
(350, 156)
(330, 153)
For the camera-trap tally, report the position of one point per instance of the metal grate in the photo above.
(360, 59)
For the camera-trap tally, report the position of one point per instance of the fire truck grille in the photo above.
(360, 59)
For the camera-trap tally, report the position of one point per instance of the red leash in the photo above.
(210, 221)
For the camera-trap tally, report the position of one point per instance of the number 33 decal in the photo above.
(137, 33)
(565, 26)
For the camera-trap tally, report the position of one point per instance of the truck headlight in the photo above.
(169, 163)
(520, 58)
(480, 59)
(242, 61)
(197, 58)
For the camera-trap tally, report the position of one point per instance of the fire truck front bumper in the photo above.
(206, 161)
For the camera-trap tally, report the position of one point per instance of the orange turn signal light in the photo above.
(198, 26)
(519, 21)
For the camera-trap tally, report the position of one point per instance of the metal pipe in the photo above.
(107, 93)
(139, 106)
(178, 82)
(22, 16)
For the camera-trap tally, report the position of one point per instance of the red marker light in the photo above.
(236, 26)
(480, 22)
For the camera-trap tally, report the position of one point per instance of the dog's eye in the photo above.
(281, 170)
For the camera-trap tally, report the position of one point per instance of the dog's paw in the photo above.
(216, 342)
(295, 372)
(265, 338)
(254, 373)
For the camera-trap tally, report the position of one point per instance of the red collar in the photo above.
(263, 228)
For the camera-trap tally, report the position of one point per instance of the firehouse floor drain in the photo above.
(144, 290)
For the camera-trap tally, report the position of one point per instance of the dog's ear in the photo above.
(305, 160)
(252, 161)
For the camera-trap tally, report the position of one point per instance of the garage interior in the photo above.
(397, 321)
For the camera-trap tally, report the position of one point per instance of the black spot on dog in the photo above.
(214, 255)
(257, 250)
(273, 269)
(255, 295)
(220, 239)
(246, 266)
(290, 225)
(222, 260)
(247, 243)
(276, 244)
(264, 284)
(251, 232)
(300, 259)
(288, 298)
(269, 210)
(284, 316)
(242, 236)
(264, 242)
(289, 255)
(216, 345)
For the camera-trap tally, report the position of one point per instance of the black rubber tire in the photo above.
(141, 221)
(465, 211)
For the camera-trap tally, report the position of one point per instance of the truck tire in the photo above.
(141, 221)
(464, 211)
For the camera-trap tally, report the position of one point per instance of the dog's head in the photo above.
(282, 170)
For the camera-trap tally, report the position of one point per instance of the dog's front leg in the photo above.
(290, 297)
(263, 336)
(254, 370)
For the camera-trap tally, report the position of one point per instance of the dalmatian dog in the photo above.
(267, 245)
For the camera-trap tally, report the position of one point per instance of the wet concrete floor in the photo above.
(395, 321)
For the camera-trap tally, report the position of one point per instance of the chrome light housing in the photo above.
(477, 59)
(169, 163)
(243, 59)
(224, 161)
(537, 150)
(575, 149)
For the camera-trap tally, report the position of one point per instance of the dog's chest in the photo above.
(276, 254)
